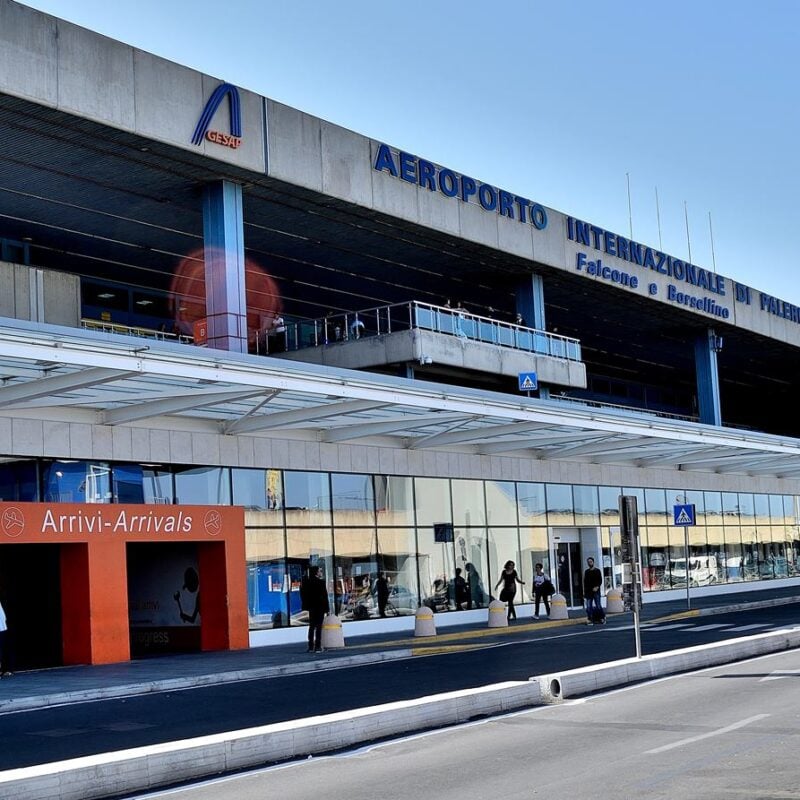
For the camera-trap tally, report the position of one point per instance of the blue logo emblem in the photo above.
(232, 139)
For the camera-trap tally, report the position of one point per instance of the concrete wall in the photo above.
(452, 351)
(74, 433)
(39, 295)
(57, 64)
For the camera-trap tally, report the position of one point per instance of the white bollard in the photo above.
(558, 607)
(332, 635)
(497, 615)
(614, 604)
(424, 623)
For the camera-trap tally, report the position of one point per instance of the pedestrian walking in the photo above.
(592, 582)
(542, 589)
(314, 600)
(509, 579)
(461, 589)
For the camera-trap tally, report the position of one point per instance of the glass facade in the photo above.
(437, 541)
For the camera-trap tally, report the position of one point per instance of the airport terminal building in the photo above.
(237, 341)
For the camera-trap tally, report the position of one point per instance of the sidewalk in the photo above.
(63, 685)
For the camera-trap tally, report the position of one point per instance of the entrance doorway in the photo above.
(30, 590)
(571, 547)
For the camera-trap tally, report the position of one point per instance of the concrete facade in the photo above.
(39, 295)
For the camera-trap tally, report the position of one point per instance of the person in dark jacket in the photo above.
(382, 591)
(592, 582)
(509, 578)
(314, 600)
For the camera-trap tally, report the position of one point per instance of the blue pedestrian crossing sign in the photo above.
(683, 514)
(528, 382)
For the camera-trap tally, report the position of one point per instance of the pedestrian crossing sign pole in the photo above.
(528, 382)
(683, 515)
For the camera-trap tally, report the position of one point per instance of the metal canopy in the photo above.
(53, 372)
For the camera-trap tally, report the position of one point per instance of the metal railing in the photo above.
(422, 316)
(127, 330)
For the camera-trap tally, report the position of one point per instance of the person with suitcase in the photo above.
(592, 583)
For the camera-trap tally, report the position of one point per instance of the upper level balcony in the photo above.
(427, 337)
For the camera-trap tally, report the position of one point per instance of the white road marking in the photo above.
(670, 627)
(716, 625)
(751, 627)
(718, 732)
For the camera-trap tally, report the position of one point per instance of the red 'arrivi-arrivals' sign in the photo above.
(51, 522)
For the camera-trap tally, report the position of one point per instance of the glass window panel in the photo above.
(501, 502)
(531, 502)
(260, 492)
(504, 546)
(432, 498)
(776, 508)
(353, 499)
(307, 498)
(696, 498)
(713, 502)
(19, 481)
(356, 567)
(76, 482)
(747, 508)
(761, 503)
(397, 557)
(655, 557)
(732, 560)
(203, 486)
(468, 502)
(268, 588)
(655, 501)
(436, 566)
(716, 555)
(533, 550)
(730, 508)
(789, 509)
(638, 494)
(609, 502)
(127, 483)
(394, 500)
(306, 548)
(471, 549)
(587, 505)
(750, 553)
(612, 556)
(559, 504)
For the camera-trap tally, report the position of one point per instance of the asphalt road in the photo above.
(46, 735)
(720, 734)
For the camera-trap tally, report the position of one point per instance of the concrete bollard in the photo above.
(332, 635)
(424, 623)
(558, 607)
(614, 604)
(497, 615)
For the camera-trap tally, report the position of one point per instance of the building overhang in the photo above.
(53, 372)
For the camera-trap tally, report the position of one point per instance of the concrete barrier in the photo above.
(497, 615)
(586, 680)
(147, 768)
(424, 623)
(614, 604)
(558, 607)
(332, 634)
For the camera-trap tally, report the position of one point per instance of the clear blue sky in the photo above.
(554, 100)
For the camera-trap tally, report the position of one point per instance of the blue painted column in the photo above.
(223, 234)
(705, 361)
(530, 301)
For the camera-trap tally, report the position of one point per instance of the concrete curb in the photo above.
(195, 681)
(586, 680)
(150, 767)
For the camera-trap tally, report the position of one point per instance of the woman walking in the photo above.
(509, 579)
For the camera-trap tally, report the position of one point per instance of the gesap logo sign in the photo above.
(232, 139)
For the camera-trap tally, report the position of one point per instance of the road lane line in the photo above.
(715, 626)
(718, 732)
(752, 627)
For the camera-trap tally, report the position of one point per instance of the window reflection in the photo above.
(307, 498)
(203, 486)
(268, 590)
(68, 481)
